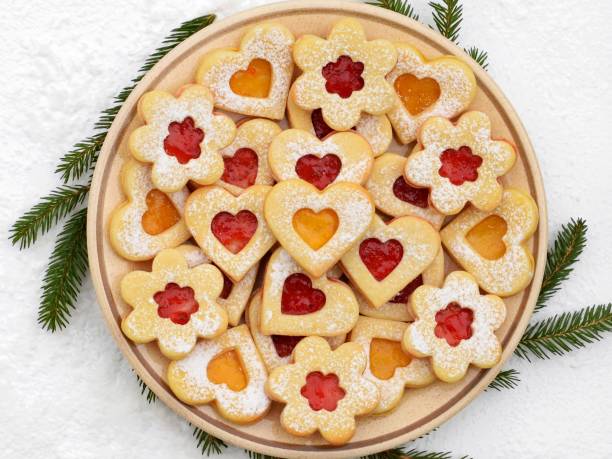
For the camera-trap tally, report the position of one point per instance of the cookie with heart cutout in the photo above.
(150, 220)
(173, 304)
(376, 129)
(181, 137)
(231, 230)
(276, 350)
(296, 304)
(318, 227)
(226, 371)
(234, 296)
(394, 196)
(254, 79)
(493, 246)
(388, 256)
(444, 86)
(340, 157)
(389, 366)
(397, 308)
(246, 158)
(344, 75)
(460, 163)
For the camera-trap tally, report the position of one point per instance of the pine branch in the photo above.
(480, 56)
(151, 397)
(447, 16)
(505, 379)
(568, 246)
(563, 333)
(47, 213)
(399, 6)
(207, 443)
(401, 453)
(254, 455)
(64, 274)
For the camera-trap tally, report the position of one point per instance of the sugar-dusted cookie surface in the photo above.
(389, 256)
(444, 86)
(227, 371)
(455, 326)
(340, 157)
(231, 230)
(181, 137)
(460, 163)
(389, 367)
(344, 75)
(173, 304)
(492, 246)
(253, 80)
(323, 390)
(150, 220)
(315, 227)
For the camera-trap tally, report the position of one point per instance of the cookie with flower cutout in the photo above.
(394, 196)
(323, 390)
(226, 371)
(276, 350)
(444, 86)
(235, 295)
(389, 256)
(344, 75)
(460, 163)
(231, 230)
(341, 157)
(493, 246)
(150, 220)
(173, 304)
(455, 326)
(297, 304)
(376, 129)
(318, 227)
(389, 366)
(245, 160)
(254, 79)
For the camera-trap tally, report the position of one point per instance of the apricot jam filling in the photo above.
(416, 94)
(183, 140)
(255, 81)
(323, 392)
(299, 297)
(460, 165)
(381, 258)
(454, 323)
(315, 228)
(487, 237)
(160, 214)
(386, 356)
(343, 76)
(176, 303)
(234, 231)
(318, 171)
(226, 368)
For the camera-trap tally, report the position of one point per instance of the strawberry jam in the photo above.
(380, 257)
(228, 285)
(318, 171)
(322, 391)
(416, 196)
(299, 297)
(403, 295)
(319, 125)
(284, 345)
(460, 165)
(234, 231)
(454, 323)
(241, 169)
(343, 76)
(183, 140)
(176, 303)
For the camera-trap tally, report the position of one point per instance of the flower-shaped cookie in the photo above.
(150, 220)
(344, 75)
(227, 370)
(389, 367)
(255, 79)
(444, 86)
(173, 304)
(492, 246)
(455, 326)
(181, 137)
(341, 157)
(460, 163)
(323, 390)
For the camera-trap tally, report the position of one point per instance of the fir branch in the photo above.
(151, 397)
(64, 274)
(47, 213)
(447, 16)
(565, 332)
(401, 453)
(399, 6)
(480, 56)
(207, 443)
(505, 379)
(568, 246)
(254, 455)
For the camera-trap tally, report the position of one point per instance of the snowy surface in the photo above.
(73, 395)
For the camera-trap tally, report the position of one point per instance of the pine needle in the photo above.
(254, 455)
(565, 332)
(505, 379)
(151, 397)
(447, 16)
(399, 6)
(207, 443)
(480, 56)
(401, 453)
(64, 274)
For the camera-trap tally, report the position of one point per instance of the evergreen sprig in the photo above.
(151, 397)
(448, 16)
(399, 6)
(254, 455)
(207, 443)
(505, 379)
(402, 453)
(480, 56)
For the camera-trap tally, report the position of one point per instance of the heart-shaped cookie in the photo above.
(231, 230)
(389, 256)
(341, 157)
(315, 227)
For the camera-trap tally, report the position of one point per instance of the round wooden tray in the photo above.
(420, 410)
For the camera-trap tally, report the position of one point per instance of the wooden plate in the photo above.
(420, 410)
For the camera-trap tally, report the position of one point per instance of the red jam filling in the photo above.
(234, 231)
(183, 140)
(176, 303)
(459, 165)
(318, 171)
(454, 323)
(319, 125)
(299, 297)
(403, 295)
(322, 391)
(380, 257)
(241, 169)
(228, 285)
(343, 76)
(284, 345)
(416, 196)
